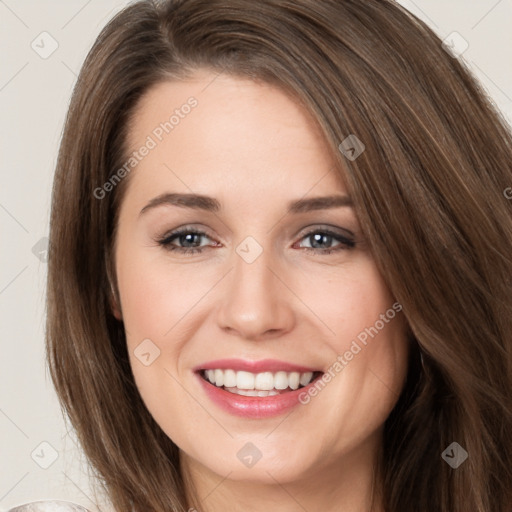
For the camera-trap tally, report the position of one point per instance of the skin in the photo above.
(254, 148)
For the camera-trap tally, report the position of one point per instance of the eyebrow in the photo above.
(210, 204)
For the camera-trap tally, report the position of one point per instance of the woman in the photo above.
(261, 368)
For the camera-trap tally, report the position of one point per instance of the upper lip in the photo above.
(263, 365)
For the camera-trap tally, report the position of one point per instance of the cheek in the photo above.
(162, 305)
(156, 302)
(348, 302)
(155, 296)
(365, 331)
(371, 330)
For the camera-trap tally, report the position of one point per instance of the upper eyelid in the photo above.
(311, 228)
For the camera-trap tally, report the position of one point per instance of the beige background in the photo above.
(34, 94)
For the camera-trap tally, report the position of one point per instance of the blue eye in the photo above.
(184, 236)
(326, 236)
(189, 238)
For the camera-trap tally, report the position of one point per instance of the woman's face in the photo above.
(276, 287)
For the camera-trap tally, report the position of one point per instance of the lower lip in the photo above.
(253, 406)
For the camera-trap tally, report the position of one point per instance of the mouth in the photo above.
(256, 389)
(261, 384)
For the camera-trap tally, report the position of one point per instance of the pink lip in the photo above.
(264, 365)
(255, 407)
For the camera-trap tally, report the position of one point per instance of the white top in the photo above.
(49, 506)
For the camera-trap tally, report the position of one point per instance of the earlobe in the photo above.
(115, 309)
(114, 304)
(113, 295)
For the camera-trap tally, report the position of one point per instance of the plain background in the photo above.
(39, 458)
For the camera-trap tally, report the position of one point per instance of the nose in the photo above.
(256, 302)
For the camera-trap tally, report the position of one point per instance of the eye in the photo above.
(190, 238)
(326, 236)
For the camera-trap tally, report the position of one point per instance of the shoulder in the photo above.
(49, 506)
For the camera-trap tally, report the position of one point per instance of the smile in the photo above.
(255, 389)
(261, 384)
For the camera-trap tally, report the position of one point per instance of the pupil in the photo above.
(185, 237)
(318, 236)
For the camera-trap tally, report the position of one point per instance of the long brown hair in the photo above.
(428, 191)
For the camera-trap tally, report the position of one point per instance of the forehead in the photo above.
(214, 131)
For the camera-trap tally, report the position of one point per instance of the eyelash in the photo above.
(346, 243)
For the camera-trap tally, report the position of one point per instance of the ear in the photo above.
(113, 294)
(114, 307)
(114, 302)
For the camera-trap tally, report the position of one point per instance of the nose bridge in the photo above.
(252, 274)
(256, 301)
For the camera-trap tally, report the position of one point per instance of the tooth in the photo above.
(264, 381)
(305, 378)
(281, 380)
(248, 392)
(252, 392)
(244, 380)
(229, 378)
(293, 380)
(271, 392)
(219, 378)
